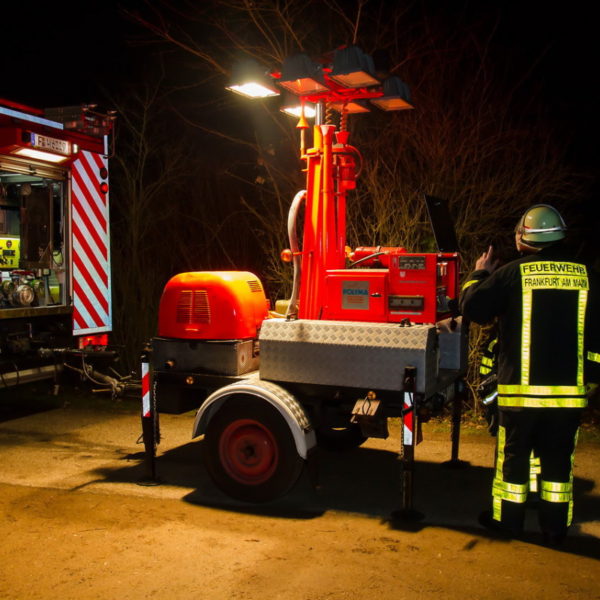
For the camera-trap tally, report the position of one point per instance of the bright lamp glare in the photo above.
(253, 90)
(39, 155)
(296, 111)
(303, 86)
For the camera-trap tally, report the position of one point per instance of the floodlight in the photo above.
(351, 107)
(353, 68)
(396, 95)
(292, 106)
(302, 76)
(249, 79)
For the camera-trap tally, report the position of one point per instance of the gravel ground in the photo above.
(77, 523)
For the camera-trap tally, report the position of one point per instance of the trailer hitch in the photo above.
(118, 385)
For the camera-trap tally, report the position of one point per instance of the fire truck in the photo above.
(55, 288)
(366, 335)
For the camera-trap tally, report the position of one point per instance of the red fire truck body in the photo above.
(55, 289)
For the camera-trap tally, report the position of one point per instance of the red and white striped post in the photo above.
(150, 424)
(408, 437)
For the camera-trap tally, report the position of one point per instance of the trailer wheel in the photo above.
(249, 450)
(340, 439)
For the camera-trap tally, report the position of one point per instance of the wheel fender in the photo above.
(289, 408)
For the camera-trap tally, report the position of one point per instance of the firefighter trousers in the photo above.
(551, 433)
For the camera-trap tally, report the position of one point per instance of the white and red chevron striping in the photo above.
(146, 407)
(92, 307)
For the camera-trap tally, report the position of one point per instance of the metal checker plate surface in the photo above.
(349, 354)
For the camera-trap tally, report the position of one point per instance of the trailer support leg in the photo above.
(408, 439)
(150, 424)
(457, 404)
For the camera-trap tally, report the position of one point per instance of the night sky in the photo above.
(58, 54)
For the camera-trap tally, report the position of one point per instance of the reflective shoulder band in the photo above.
(469, 283)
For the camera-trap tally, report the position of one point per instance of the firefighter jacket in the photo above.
(547, 309)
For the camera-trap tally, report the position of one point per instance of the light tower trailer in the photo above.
(355, 344)
(55, 288)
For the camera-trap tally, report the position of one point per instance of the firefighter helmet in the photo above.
(541, 223)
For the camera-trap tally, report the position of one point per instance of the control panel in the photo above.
(415, 287)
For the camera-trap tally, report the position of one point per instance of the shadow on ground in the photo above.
(366, 481)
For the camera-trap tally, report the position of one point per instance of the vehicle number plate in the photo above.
(47, 143)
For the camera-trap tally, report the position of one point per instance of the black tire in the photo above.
(340, 439)
(249, 451)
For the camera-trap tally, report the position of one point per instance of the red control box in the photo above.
(414, 286)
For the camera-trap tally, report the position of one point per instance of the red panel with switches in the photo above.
(417, 287)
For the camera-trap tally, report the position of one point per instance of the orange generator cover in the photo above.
(212, 305)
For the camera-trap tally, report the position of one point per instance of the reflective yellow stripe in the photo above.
(552, 402)
(497, 502)
(553, 491)
(559, 491)
(554, 486)
(513, 492)
(469, 283)
(555, 496)
(580, 327)
(500, 452)
(504, 490)
(497, 509)
(509, 497)
(593, 356)
(534, 470)
(513, 488)
(483, 370)
(534, 464)
(526, 337)
(533, 484)
(487, 361)
(542, 390)
(492, 345)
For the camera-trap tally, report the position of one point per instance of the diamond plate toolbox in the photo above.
(348, 354)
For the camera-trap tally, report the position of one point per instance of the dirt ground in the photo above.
(76, 523)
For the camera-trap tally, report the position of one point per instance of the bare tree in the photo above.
(172, 209)
(478, 135)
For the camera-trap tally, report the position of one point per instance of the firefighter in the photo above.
(546, 306)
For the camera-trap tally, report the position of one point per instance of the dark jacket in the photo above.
(547, 306)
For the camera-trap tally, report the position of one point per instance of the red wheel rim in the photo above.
(248, 452)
